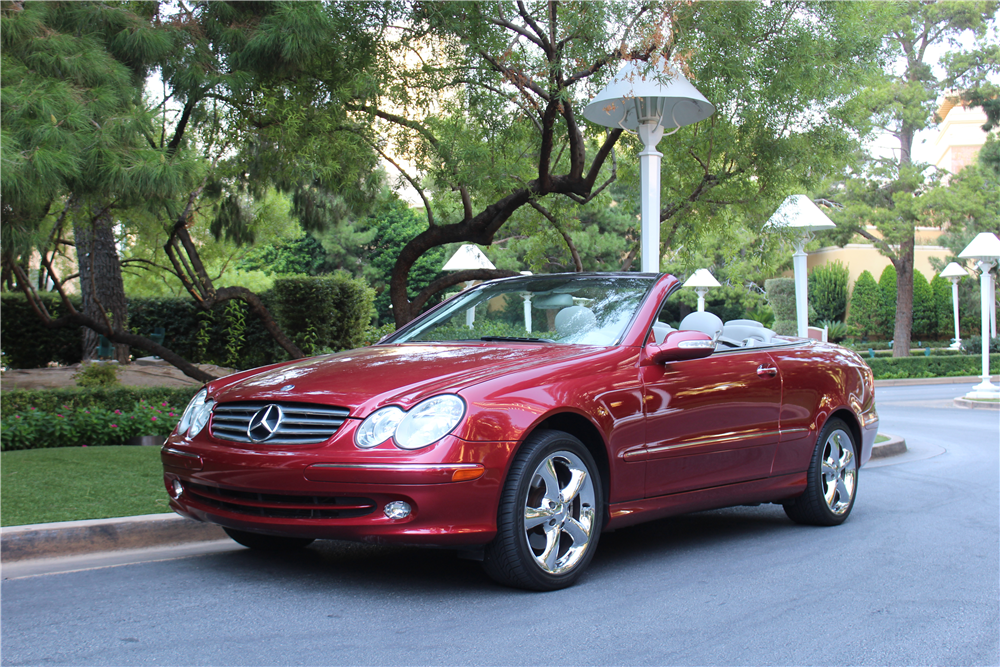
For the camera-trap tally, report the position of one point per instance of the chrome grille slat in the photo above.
(301, 424)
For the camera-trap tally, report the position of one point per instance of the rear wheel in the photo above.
(550, 515)
(832, 480)
(271, 543)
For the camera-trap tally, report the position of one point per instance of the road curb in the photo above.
(894, 446)
(74, 538)
(976, 405)
(71, 538)
(907, 382)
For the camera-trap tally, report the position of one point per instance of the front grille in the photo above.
(279, 506)
(301, 423)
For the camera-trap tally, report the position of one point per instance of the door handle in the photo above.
(766, 371)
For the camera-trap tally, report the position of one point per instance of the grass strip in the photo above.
(73, 483)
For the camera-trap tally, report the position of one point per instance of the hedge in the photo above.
(927, 367)
(321, 313)
(27, 343)
(109, 398)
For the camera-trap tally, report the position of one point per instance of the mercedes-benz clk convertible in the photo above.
(519, 420)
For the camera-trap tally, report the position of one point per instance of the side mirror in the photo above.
(681, 346)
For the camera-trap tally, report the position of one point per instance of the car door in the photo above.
(710, 422)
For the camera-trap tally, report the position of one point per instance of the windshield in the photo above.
(569, 310)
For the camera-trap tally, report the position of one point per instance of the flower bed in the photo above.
(93, 425)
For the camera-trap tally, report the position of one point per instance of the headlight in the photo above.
(199, 417)
(423, 425)
(196, 403)
(378, 427)
(429, 421)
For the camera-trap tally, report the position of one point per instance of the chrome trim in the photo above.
(408, 467)
(729, 437)
(793, 431)
(177, 452)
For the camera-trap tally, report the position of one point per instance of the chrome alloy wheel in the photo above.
(559, 516)
(840, 471)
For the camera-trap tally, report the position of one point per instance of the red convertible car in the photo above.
(521, 418)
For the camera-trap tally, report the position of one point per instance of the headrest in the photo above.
(705, 322)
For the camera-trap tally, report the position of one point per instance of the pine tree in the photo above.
(866, 306)
(925, 317)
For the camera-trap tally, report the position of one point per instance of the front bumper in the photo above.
(336, 491)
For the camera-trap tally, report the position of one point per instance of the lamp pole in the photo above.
(650, 161)
(984, 251)
(953, 272)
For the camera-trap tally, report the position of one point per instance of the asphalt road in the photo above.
(912, 578)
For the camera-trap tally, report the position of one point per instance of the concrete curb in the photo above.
(894, 446)
(970, 379)
(74, 538)
(976, 405)
(70, 538)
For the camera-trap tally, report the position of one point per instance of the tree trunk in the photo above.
(903, 330)
(101, 287)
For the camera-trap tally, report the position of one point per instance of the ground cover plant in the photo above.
(85, 426)
(75, 483)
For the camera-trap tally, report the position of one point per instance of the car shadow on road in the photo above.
(370, 568)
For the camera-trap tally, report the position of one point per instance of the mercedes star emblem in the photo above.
(264, 423)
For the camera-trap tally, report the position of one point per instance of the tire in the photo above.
(550, 516)
(832, 480)
(269, 543)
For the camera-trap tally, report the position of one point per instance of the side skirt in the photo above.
(772, 489)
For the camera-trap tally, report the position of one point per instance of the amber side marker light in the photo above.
(465, 474)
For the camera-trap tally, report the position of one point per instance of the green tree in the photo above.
(925, 322)
(828, 291)
(943, 313)
(891, 194)
(865, 315)
(502, 82)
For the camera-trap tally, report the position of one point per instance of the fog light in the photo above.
(176, 489)
(397, 509)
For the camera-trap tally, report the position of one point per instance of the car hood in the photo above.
(365, 379)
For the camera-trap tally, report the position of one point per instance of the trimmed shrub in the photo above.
(924, 309)
(109, 398)
(828, 291)
(781, 297)
(97, 375)
(943, 313)
(891, 368)
(974, 346)
(887, 301)
(865, 316)
(323, 313)
(27, 343)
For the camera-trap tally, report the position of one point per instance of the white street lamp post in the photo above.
(985, 251)
(953, 272)
(800, 215)
(635, 101)
(468, 257)
(527, 305)
(701, 280)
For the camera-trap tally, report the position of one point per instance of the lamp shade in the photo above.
(954, 270)
(468, 257)
(984, 247)
(799, 213)
(633, 98)
(702, 278)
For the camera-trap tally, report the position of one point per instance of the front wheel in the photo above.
(270, 543)
(832, 480)
(550, 515)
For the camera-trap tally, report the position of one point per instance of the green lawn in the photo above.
(71, 483)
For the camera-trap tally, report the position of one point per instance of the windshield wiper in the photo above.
(517, 339)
